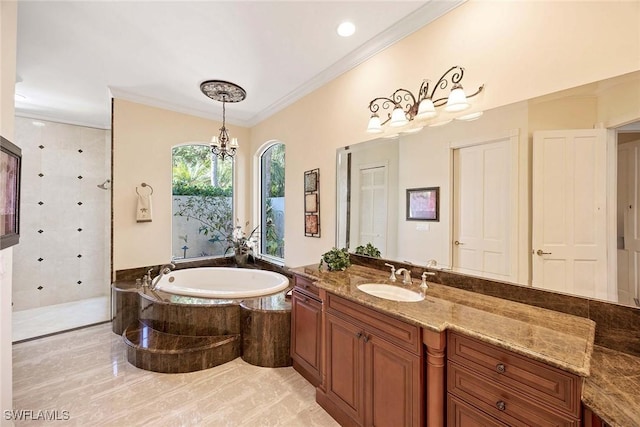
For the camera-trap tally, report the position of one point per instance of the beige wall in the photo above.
(518, 49)
(8, 23)
(142, 141)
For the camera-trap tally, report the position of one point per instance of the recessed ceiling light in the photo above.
(37, 123)
(346, 29)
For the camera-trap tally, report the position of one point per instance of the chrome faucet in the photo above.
(424, 285)
(393, 272)
(406, 275)
(165, 269)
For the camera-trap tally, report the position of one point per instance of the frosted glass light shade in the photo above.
(426, 109)
(398, 117)
(457, 100)
(374, 124)
(215, 142)
(234, 143)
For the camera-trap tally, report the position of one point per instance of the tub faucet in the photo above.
(165, 269)
(406, 275)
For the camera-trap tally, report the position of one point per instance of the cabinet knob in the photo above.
(501, 405)
(366, 338)
(500, 368)
(359, 335)
(306, 300)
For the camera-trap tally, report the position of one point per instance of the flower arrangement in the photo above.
(336, 259)
(242, 244)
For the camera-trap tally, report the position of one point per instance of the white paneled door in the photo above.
(628, 222)
(569, 211)
(483, 205)
(373, 206)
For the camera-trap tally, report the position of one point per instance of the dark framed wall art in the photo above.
(312, 203)
(10, 165)
(423, 204)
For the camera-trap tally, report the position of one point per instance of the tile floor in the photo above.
(50, 319)
(85, 372)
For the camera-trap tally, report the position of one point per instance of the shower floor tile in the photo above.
(37, 322)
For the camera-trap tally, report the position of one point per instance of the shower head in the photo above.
(104, 184)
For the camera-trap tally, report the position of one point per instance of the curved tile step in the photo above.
(161, 352)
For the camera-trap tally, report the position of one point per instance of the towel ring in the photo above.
(144, 184)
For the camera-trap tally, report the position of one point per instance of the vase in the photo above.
(242, 258)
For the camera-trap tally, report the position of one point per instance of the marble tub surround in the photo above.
(125, 305)
(611, 391)
(156, 351)
(266, 331)
(180, 315)
(617, 326)
(551, 337)
(138, 272)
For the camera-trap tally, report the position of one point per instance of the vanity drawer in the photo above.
(306, 286)
(502, 403)
(461, 414)
(392, 330)
(550, 386)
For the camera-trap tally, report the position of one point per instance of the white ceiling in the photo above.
(73, 55)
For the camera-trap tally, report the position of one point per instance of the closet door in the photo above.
(569, 211)
(482, 209)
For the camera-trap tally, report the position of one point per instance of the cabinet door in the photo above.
(345, 369)
(306, 324)
(393, 385)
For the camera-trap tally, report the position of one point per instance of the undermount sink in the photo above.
(390, 292)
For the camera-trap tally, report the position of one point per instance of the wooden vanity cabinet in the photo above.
(373, 367)
(306, 330)
(488, 385)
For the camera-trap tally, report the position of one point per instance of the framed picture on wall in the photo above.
(423, 204)
(312, 203)
(10, 164)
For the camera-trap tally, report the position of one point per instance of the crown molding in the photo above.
(153, 102)
(401, 29)
(422, 16)
(25, 114)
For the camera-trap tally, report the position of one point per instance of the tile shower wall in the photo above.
(63, 253)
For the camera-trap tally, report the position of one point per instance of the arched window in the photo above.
(272, 201)
(202, 202)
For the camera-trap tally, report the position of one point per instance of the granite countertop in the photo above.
(612, 390)
(555, 338)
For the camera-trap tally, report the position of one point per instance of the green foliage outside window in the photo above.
(273, 166)
(202, 187)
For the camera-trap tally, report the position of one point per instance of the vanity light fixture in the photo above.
(405, 106)
(224, 92)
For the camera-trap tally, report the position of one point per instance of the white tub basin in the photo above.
(390, 292)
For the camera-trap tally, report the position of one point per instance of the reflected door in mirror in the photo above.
(569, 211)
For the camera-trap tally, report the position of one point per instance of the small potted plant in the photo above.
(368, 250)
(336, 259)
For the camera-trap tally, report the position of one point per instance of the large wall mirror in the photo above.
(542, 193)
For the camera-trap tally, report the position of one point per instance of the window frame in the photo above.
(260, 210)
(233, 202)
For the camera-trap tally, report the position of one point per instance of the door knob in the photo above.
(457, 243)
(540, 253)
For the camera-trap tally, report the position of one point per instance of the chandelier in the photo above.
(405, 106)
(224, 92)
